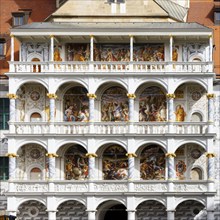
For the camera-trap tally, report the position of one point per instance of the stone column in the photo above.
(12, 47)
(170, 101)
(51, 215)
(131, 214)
(170, 214)
(12, 165)
(91, 106)
(131, 165)
(210, 107)
(51, 48)
(52, 165)
(131, 98)
(12, 98)
(91, 214)
(131, 47)
(211, 166)
(210, 214)
(210, 48)
(91, 157)
(91, 48)
(171, 48)
(171, 168)
(52, 98)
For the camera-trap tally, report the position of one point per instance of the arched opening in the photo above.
(196, 174)
(116, 212)
(114, 163)
(37, 67)
(151, 210)
(152, 163)
(71, 210)
(76, 163)
(111, 210)
(35, 117)
(35, 174)
(114, 104)
(190, 162)
(76, 104)
(190, 209)
(152, 104)
(32, 209)
(196, 117)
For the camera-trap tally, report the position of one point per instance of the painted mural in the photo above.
(76, 163)
(114, 105)
(152, 105)
(152, 163)
(115, 52)
(76, 105)
(180, 113)
(115, 163)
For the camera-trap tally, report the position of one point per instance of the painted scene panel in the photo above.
(76, 105)
(152, 105)
(152, 163)
(115, 163)
(114, 105)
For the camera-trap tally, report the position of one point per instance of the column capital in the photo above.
(91, 96)
(170, 155)
(131, 96)
(131, 210)
(170, 96)
(210, 155)
(91, 155)
(130, 35)
(210, 96)
(11, 35)
(131, 155)
(51, 155)
(91, 35)
(11, 155)
(12, 96)
(51, 36)
(51, 95)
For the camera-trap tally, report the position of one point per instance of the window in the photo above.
(217, 16)
(2, 47)
(4, 113)
(4, 168)
(18, 18)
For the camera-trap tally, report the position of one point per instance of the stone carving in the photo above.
(3, 187)
(190, 188)
(150, 187)
(111, 187)
(31, 187)
(83, 187)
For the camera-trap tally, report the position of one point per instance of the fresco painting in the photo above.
(152, 105)
(114, 105)
(115, 163)
(76, 163)
(152, 163)
(116, 52)
(76, 105)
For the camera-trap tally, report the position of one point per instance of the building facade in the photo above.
(113, 114)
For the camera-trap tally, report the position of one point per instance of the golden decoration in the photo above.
(51, 36)
(170, 96)
(170, 155)
(11, 155)
(130, 155)
(51, 155)
(210, 155)
(12, 96)
(51, 96)
(91, 155)
(210, 96)
(91, 96)
(131, 96)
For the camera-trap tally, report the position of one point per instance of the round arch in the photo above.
(195, 198)
(198, 142)
(159, 200)
(76, 199)
(31, 199)
(38, 142)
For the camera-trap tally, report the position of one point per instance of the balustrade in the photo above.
(144, 67)
(109, 128)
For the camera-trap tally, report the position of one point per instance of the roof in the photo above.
(173, 9)
(112, 26)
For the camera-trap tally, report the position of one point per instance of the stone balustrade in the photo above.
(108, 128)
(101, 186)
(143, 67)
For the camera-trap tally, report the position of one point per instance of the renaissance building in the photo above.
(114, 113)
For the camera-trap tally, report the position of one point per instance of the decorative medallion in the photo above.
(180, 168)
(196, 95)
(196, 153)
(35, 95)
(33, 211)
(35, 153)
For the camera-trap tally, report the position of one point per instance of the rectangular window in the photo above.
(18, 18)
(4, 113)
(4, 167)
(217, 17)
(2, 47)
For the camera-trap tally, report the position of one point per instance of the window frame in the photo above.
(2, 47)
(4, 167)
(4, 113)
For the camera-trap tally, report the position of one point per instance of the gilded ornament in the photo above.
(210, 96)
(51, 155)
(51, 96)
(210, 155)
(91, 96)
(12, 96)
(170, 96)
(131, 155)
(131, 96)
(170, 155)
(11, 155)
(91, 155)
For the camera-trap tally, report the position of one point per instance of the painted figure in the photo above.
(180, 113)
